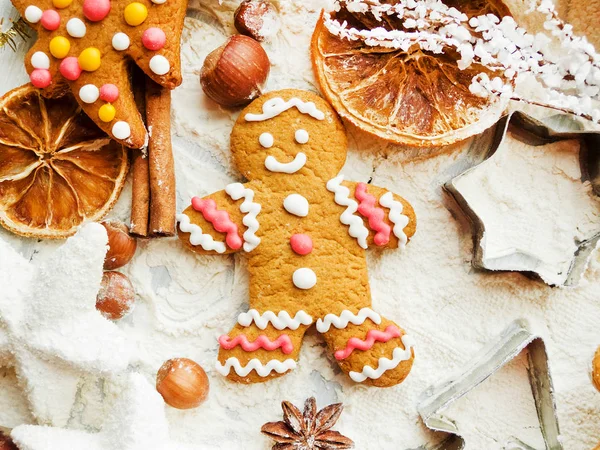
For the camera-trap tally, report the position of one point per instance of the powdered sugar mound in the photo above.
(137, 422)
(52, 328)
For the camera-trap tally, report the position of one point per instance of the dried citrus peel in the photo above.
(57, 169)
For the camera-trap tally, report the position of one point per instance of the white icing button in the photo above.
(39, 60)
(266, 140)
(301, 136)
(76, 28)
(33, 14)
(296, 204)
(120, 41)
(304, 278)
(159, 65)
(121, 130)
(159, 2)
(89, 93)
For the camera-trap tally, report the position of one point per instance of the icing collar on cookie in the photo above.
(276, 106)
(292, 167)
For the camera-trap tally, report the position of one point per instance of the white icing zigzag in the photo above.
(280, 321)
(275, 106)
(397, 218)
(250, 209)
(385, 364)
(342, 197)
(346, 317)
(198, 237)
(255, 364)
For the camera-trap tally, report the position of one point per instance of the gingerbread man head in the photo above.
(281, 135)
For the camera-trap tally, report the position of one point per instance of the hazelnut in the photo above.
(121, 245)
(116, 296)
(257, 19)
(235, 73)
(182, 383)
(6, 443)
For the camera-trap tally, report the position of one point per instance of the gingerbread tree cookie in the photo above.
(305, 231)
(86, 45)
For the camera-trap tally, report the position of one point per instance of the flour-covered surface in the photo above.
(185, 301)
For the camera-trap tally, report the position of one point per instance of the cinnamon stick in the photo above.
(140, 195)
(161, 165)
(140, 192)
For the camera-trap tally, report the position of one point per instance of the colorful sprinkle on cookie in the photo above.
(59, 47)
(70, 69)
(76, 28)
(90, 59)
(135, 14)
(109, 93)
(107, 112)
(96, 39)
(50, 20)
(40, 78)
(154, 38)
(96, 10)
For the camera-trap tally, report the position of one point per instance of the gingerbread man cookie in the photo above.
(86, 46)
(305, 230)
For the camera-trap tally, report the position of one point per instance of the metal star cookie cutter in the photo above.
(533, 132)
(495, 355)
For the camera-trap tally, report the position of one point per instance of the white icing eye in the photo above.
(266, 140)
(301, 136)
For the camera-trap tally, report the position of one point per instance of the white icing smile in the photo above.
(292, 167)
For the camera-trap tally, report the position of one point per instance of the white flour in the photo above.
(185, 301)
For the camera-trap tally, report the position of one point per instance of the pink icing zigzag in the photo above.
(220, 220)
(262, 341)
(373, 336)
(368, 208)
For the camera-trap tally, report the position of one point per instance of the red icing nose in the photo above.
(301, 244)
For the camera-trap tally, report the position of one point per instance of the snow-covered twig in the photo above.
(570, 75)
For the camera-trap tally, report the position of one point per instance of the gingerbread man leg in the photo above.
(368, 347)
(263, 345)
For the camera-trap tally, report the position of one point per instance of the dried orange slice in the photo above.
(412, 97)
(57, 168)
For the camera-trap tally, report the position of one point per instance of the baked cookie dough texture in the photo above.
(305, 230)
(86, 46)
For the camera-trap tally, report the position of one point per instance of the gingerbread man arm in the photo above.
(390, 219)
(220, 223)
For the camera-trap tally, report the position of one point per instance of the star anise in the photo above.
(310, 430)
